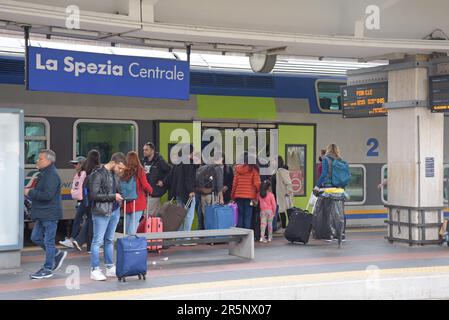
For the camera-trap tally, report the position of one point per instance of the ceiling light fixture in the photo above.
(232, 47)
(165, 44)
(74, 32)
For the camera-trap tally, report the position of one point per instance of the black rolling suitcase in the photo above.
(299, 225)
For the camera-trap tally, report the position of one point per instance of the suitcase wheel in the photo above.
(122, 279)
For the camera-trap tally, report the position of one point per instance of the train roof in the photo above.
(210, 82)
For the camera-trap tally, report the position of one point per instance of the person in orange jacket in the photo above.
(245, 188)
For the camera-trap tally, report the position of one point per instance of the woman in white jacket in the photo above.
(284, 190)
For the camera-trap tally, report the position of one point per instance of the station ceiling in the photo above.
(321, 28)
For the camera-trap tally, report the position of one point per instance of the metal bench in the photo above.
(241, 241)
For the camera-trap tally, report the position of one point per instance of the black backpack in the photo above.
(205, 178)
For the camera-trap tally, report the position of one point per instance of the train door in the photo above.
(297, 148)
(296, 145)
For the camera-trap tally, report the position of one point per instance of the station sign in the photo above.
(107, 74)
(364, 100)
(439, 93)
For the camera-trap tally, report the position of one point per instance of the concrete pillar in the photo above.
(147, 7)
(415, 157)
(10, 261)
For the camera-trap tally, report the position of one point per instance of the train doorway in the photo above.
(296, 143)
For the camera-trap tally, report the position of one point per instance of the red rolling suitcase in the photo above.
(150, 224)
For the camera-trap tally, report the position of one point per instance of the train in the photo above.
(304, 109)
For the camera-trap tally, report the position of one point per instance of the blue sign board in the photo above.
(96, 73)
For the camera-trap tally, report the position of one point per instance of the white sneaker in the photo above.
(76, 245)
(97, 275)
(67, 243)
(110, 272)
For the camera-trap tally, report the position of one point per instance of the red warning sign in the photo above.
(297, 177)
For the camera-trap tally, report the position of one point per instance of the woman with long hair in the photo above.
(332, 153)
(134, 209)
(284, 191)
(325, 180)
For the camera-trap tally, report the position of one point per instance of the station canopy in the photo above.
(362, 29)
(13, 44)
(322, 36)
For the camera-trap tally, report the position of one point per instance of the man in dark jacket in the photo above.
(104, 195)
(181, 184)
(46, 211)
(228, 178)
(157, 169)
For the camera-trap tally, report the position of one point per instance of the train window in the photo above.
(356, 189)
(446, 183)
(384, 189)
(37, 137)
(295, 155)
(328, 95)
(105, 136)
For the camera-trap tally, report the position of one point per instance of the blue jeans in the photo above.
(104, 229)
(132, 222)
(43, 235)
(245, 213)
(188, 220)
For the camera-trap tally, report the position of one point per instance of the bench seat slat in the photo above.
(191, 234)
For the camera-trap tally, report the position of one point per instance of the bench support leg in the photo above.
(244, 248)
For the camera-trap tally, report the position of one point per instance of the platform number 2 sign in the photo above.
(373, 143)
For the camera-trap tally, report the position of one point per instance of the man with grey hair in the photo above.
(46, 211)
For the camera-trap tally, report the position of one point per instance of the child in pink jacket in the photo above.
(267, 205)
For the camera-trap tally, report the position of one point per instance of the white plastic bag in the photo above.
(312, 200)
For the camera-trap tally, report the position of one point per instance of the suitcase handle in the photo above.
(188, 203)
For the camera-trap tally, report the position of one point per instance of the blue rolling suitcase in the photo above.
(219, 217)
(131, 257)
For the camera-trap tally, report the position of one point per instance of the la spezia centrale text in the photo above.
(108, 69)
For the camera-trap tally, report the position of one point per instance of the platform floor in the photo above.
(366, 267)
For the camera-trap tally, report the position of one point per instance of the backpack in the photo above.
(129, 189)
(205, 178)
(339, 172)
(77, 186)
(86, 191)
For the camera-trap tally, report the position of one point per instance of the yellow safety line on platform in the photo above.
(246, 283)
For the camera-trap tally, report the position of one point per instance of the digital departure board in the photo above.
(439, 93)
(364, 100)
